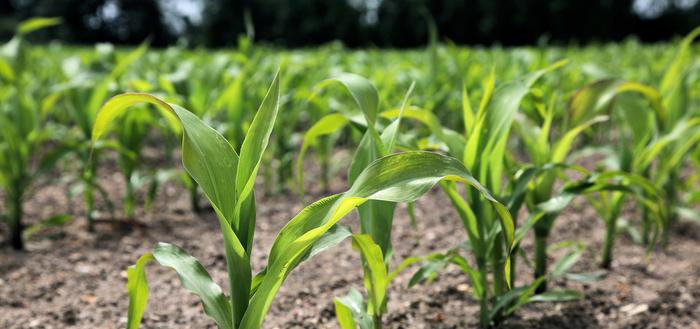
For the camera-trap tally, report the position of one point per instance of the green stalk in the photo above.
(646, 224)
(89, 207)
(14, 212)
(129, 199)
(194, 195)
(88, 196)
(484, 298)
(513, 269)
(324, 173)
(498, 267)
(541, 257)
(377, 321)
(610, 226)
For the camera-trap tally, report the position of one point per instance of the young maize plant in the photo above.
(665, 135)
(227, 179)
(81, 97)
(24, 128)
(635, 118)
(548, 158)
(376, 217)
(487, 133)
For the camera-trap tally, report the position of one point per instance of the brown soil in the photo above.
(69, 278)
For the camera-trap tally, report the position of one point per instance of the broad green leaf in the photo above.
(6, 71)
(530, 78)
(375, 274)
(398, 178)
(100, 92)
(212, 162)
(467, 111)
(138, 291)
(507, 298)
(327, 125)
(332, 237)
(55, 220)
(196, 279)
(367, 98)
(243, 222)
(354, 303)
(556, 296)
(207, 156)
(193, 277)
(568, 260)
(561, 149)
(427, 270)
(591, 100)
(344, 315)
(675, 74)
(37, 23)
(586, 277)
(522, 299)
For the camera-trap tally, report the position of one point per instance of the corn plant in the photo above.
(665, 135)
(80, 97)
(24, 127)
(376, 217)
(227, 179)
(486, 134)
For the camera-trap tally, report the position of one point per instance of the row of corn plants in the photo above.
(537, 108)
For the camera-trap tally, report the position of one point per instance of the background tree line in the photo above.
(357, 23)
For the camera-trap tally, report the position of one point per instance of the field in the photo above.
(579, 207)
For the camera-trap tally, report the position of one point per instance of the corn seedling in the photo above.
(486, 134)
(24, 128)
(227, 180)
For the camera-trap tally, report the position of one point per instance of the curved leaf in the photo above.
(193, 277)
(327, 125)
(398, 178)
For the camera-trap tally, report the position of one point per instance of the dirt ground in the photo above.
(69, 278)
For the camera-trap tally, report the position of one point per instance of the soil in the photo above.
(69, 278)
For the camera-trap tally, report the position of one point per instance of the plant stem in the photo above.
(484, 298)
(377, 321)
(541, 260)
(14, 209)
(498, 268)
(513, 269)
(610, 226)
(89, 207)
(324, 173)
(129, 201)
(194, 195)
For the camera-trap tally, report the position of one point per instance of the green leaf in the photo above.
(367, 98)
(522, 299)
(344, 315)
(564, 263)
(212, 162)
(55, 220)
(556, 296)
(354, 303)
(397, 178)
(138, 291)
(375, 274)
(563, 146)
(193, 277)
(332, 237)
(37, 23)
(586, 277)
(243, 222)
(327, 125)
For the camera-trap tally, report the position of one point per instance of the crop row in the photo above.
(475, 110)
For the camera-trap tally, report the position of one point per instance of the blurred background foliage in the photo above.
(357, 23)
